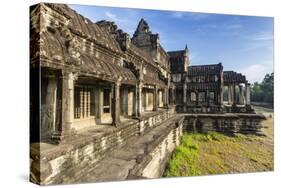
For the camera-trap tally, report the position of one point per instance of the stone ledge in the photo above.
(85, 148)
(130, 161)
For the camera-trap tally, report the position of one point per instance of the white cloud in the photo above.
(233, 26)
(190, 15)
(113, 17)
(262, 36)
(178, 14)
(198, 16)
(221, 27)
(256, 72)
(127, 25)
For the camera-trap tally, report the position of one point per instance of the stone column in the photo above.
(135, 101)
(248, 93)
(234, 95)
(67, 102)
(184, 93)
(51, 101)
(139, 99)
(229, 91)
(98, 102)
(241, 95)
(130, 103)
(116, 104)
(124, 100)
(155, 97)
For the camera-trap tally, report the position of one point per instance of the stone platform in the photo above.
(137, 149)
(141, 157)
(228, 123)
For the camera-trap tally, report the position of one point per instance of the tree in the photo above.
(264, 91)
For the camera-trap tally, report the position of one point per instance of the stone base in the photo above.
(229, 123)
(199, 109)
(64, 163)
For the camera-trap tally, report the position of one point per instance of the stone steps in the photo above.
(130, 160)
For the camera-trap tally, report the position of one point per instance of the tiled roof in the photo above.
(231, 77)
(199, 70)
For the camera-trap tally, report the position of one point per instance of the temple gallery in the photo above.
(102, 99)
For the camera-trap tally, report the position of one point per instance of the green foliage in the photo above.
(185, 161)
(216, 153)
(263, 92)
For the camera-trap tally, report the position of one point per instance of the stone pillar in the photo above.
(184, 93)
(67, 102)
(116, 104)
(248, 94)
(51, 101)
(130, 103)
(98, 102)
(229, 91)
(241, 95)
(139, 99)
(135, 102)
(160, 98)
(234, 95)
(155, 97)
(124, 100)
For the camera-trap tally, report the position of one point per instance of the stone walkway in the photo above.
(125, 162)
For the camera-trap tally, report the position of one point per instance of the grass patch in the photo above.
(183, 156)
(215, 153)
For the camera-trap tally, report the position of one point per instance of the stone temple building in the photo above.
(100, 99)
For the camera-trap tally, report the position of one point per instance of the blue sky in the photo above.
(241, 43)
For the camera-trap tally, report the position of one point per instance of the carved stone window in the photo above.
(82, 102)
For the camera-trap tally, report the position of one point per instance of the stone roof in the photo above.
(85, 27)
(176, 53)
(199, 70)
(61, 46)
(233, 77)
(203, 86)
(106, 68)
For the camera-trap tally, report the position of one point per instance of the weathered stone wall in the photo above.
(181, 108)
(225, 123)
(161, 154)
(60, 162)
(48, 107)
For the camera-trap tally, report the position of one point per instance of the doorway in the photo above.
(106, 101)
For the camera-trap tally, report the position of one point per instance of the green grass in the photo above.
(215, 153)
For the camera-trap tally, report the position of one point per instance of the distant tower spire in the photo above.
(186, 48)
(142, 27)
